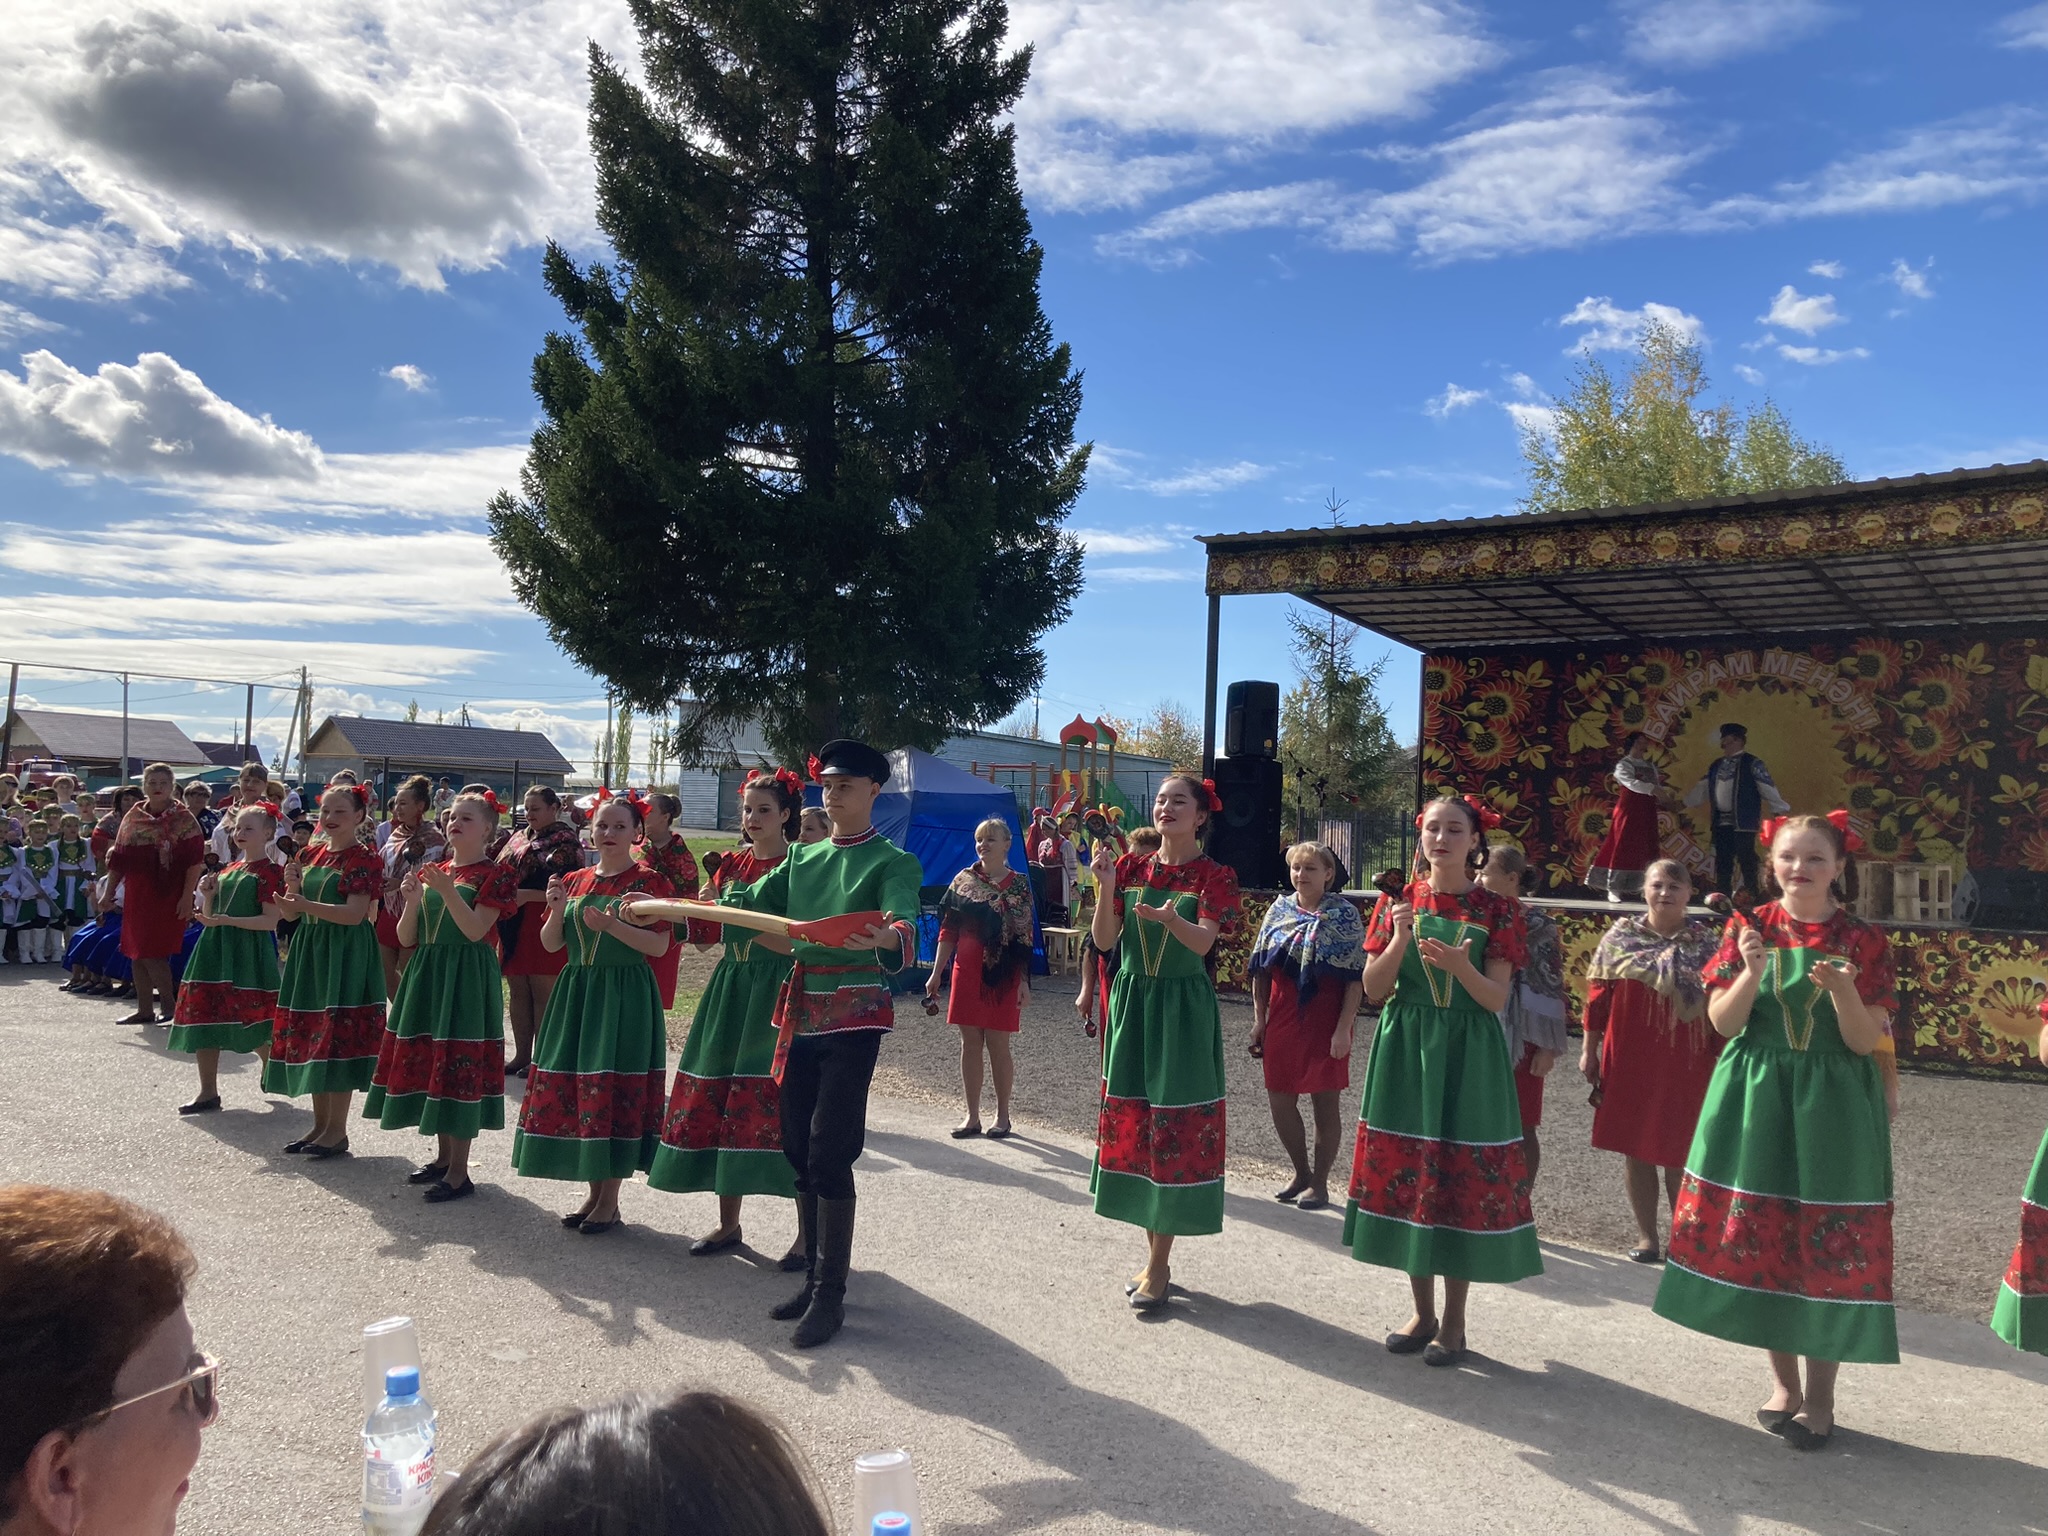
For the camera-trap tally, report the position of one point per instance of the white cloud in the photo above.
(1693, 34)
(1805, 313)
(411, 375)
(1833, 271)
(1110, 78)
(1820, 357)
(1580, 159)
(1207, 480)
(1143, 573)
(2024, 29)
(1749, 375)
(1611, 328)
(1911, 280)
(16, 321)
(156, 419)
(1531, 417)
(1452, 399)
(1104, 541)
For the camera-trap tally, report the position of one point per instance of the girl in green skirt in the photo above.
(1440, 1178)
(442, 1064)
(1159, 1141)
(330, 1005)
(723, 1130)
(594, 1095)
(2020, 1316)
(1783, 1233)
(229, 993)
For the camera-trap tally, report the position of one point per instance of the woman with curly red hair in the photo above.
(1160, 1138)
(1440, 1181)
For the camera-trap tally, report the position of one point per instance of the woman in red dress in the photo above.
(1308, 977)
(985, 945)
(546, 847)
(1631, 843)
(158, 856)
(1649, 1050)
(662, 851)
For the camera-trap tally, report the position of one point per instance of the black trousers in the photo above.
(1734, 846)
(825, 1108)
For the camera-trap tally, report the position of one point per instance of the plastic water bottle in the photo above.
(890, 1523)
(398, 1457)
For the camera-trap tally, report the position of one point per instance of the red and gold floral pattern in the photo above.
(222, 1002)
(736, 1114)
(1507, 934)
(1784, 1247)
(468, 1071)
(1180, 1145)
(267, 873)
(1454, 1185)
(1843, 935)
(800, 1011)
(2027, 1274)
(486, 884)
(678, 866)
(1213, 885)
(359, 871)
(330, 1034)
(592, 1106)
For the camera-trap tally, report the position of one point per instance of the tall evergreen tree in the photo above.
(809, 459)
(1337, 752)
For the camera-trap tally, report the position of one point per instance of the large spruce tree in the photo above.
(809, 459)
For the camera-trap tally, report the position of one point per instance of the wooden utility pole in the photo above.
(7, 720)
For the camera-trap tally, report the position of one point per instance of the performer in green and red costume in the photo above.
(2020, 1316)
(833, 1012)
(229, 995)
(1783, 1233)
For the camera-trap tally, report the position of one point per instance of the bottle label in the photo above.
(397, 1487)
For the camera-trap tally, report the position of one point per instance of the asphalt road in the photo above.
(987, 1334)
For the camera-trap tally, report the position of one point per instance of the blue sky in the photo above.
(269, 294)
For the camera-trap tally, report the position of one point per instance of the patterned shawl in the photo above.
(1536, 1013)
(1631, 950)
(998, 913)
(1310, 946)
(143, 828)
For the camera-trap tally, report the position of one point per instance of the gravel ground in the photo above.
(1961, 1146)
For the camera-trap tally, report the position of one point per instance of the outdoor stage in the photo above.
(1885, 642)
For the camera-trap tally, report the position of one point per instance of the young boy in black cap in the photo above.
(833, 1012)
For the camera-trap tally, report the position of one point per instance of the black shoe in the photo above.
(705, 1246)
(575, 1218)
(599, 1228)
(793, 1261)
(1774, 1420)
(429, 1174)
(1410, 1343)
(827, 1312)
(807, 1228)
(1800, 1438)
(303, 1144)
(441, 1192)
(1436, 1354)
(205, 1106)
(320, 1154)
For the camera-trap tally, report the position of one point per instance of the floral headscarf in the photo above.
(1308, 947)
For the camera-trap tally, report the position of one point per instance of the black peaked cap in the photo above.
(851, 757)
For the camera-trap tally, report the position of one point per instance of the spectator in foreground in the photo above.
(694, 1464)
(102, 1394)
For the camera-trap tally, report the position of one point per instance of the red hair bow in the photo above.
(1215, 800)
(357, 792)
(813, 765)
(266, 807)
(1487, 817)
(1767, 834)
(490, 798)
(1850, 840)
(604, 793)
(792, 786)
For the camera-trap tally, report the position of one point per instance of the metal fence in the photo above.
(1369, 844)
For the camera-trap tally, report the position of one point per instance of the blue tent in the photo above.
(930, 808)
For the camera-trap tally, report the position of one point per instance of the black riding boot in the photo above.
(835, 1255)
(807, 1228)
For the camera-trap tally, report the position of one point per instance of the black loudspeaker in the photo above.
(1999, 898)
(1251, 720)
(1245, 834)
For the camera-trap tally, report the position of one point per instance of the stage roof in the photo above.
(1967, 547)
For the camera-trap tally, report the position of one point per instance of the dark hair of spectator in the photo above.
(419, 789)
(792, 804)
(546, 793)
(85, 1278)
(694, 1464)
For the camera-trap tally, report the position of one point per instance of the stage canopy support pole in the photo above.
(1209, 688)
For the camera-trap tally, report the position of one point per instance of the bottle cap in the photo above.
(891, 1524)
(402, 1381)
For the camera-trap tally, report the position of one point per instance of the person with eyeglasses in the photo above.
(100, 1416)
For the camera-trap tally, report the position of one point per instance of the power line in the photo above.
(161, 677)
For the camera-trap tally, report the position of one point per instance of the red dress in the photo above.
(1645, 999)
(1630, 846)
(534, 857)
(673, 862)
(1320, 952)
(151, 926)
(990, 924)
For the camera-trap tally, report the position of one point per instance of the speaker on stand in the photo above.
(1245, 834)
(1251, 720)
